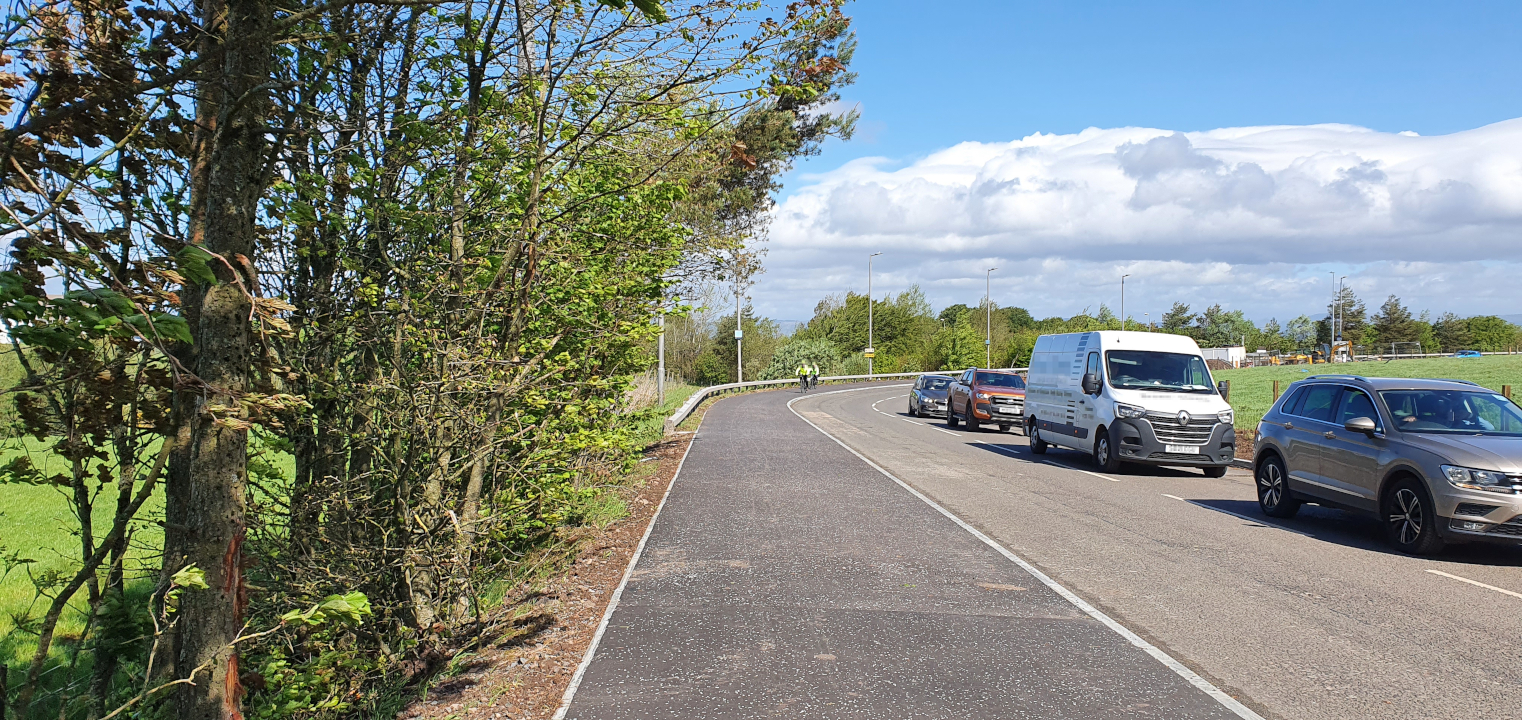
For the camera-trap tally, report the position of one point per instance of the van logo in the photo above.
(1183, 418)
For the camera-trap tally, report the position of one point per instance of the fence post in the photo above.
(1276, 391)
(1505, 390)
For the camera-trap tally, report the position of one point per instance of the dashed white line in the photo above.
(1477, 583)
(1175, 497)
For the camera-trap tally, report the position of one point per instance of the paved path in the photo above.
(786, 577)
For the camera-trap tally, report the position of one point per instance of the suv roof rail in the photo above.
(1338, 377)
(1466, 382)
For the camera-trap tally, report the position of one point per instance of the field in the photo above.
(1252, 389)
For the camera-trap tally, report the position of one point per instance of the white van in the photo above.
(1128, 397)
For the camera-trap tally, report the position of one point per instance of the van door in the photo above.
(1086, 401)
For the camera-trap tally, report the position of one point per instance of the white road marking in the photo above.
(602, 626)
(1193, 678)
(1476, 583)
(1175, 497)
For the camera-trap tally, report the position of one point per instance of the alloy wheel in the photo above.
(1273, 485)
(1407, 516)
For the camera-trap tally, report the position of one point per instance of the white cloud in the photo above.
(1252, 218)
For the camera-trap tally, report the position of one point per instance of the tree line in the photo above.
(353, 291)
(909, 336)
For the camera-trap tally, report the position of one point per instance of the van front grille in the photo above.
(1169, 432)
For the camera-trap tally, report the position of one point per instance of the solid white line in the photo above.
(602, 627)
(1229, 702)
(1467, 580)
(1175, 497)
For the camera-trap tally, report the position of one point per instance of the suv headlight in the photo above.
(982, 396)
(1226, 416)
(1129, 411)
(1472, 479)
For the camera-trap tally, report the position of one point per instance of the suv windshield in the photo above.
(1170, 372)
(939, 383)
(1453, 411)
(1000, 380)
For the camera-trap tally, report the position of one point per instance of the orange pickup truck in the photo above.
(978, 396)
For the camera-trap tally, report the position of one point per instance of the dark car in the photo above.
(1434, 460)
(929, 396)
(978, 396)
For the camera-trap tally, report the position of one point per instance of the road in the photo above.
(1307, 618)
(786, 576)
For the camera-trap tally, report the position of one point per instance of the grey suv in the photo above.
(1435, 460)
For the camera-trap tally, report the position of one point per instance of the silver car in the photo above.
(1435, 460)
(928, 398)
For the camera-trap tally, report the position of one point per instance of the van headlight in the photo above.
(1226, 416)
(1129, 411)
(1472, 479)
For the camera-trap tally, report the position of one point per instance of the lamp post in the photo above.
(660, 359)
(739, 335)
(1123, 300)
(988, 318)
(1147, 318)
(870, 350)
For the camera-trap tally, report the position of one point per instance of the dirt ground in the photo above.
(525, 675)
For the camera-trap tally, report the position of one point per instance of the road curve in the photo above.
(1307, 618)
(787, 577)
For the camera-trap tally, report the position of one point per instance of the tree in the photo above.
(952, 313)
(784, 363)
(1452, 333)
(1350, 316)
(1491, 333)
(959, 346)
(1394, 324)
(1178, 320)
(1301, 333)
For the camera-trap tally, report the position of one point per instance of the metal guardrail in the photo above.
(698, 397)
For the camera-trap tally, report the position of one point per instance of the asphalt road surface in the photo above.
(1307, 618)
(787, 577)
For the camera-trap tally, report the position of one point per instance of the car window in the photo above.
(1319, 402)
(1288, 406)
(1000, 380)
(937, 383)
(1453, 411)
(1356, 404)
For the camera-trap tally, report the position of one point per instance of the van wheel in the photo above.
(1410, 519)
(1104, 455)
(1273, 490)
(1038, 446)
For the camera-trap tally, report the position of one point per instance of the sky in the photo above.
(1232, 153)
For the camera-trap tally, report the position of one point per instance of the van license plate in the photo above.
(1183, 449)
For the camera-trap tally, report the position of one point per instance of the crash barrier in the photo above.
(698, 397)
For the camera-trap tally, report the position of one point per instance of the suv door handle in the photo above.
(1329, 434)
(1289, 425)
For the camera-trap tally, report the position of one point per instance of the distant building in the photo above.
(1232, 356)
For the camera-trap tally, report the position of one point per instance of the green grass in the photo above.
(1252, 388)
(653, 427)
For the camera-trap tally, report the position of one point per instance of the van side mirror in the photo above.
(1360, 425)
(1090, 384)
(1224, 388)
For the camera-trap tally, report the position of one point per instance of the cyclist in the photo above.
(813, 375)
(803, 377)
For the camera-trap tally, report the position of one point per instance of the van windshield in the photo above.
(1168, 372)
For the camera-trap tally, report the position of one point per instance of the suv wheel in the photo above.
(1104, 454)
(973, 423)
(1038, 446)
(1273, 489)
(1410, 520)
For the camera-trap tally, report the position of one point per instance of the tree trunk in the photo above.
(214, 467)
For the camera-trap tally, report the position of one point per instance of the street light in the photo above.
(988, 319)
(870, 350)
(1147, 318)
(1123, 300)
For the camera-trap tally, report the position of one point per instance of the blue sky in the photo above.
(997, 71)
(936, 76)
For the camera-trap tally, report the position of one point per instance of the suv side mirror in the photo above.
(1090, 384)
(1360, 425)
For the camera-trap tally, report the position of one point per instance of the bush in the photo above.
(786, 360)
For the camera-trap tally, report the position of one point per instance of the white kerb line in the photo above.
(1193, 678)
(1477, 583)
(602, 626)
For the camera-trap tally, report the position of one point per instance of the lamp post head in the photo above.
(873, 255)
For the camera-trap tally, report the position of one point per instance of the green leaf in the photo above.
(190, 577)
(192, 261)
